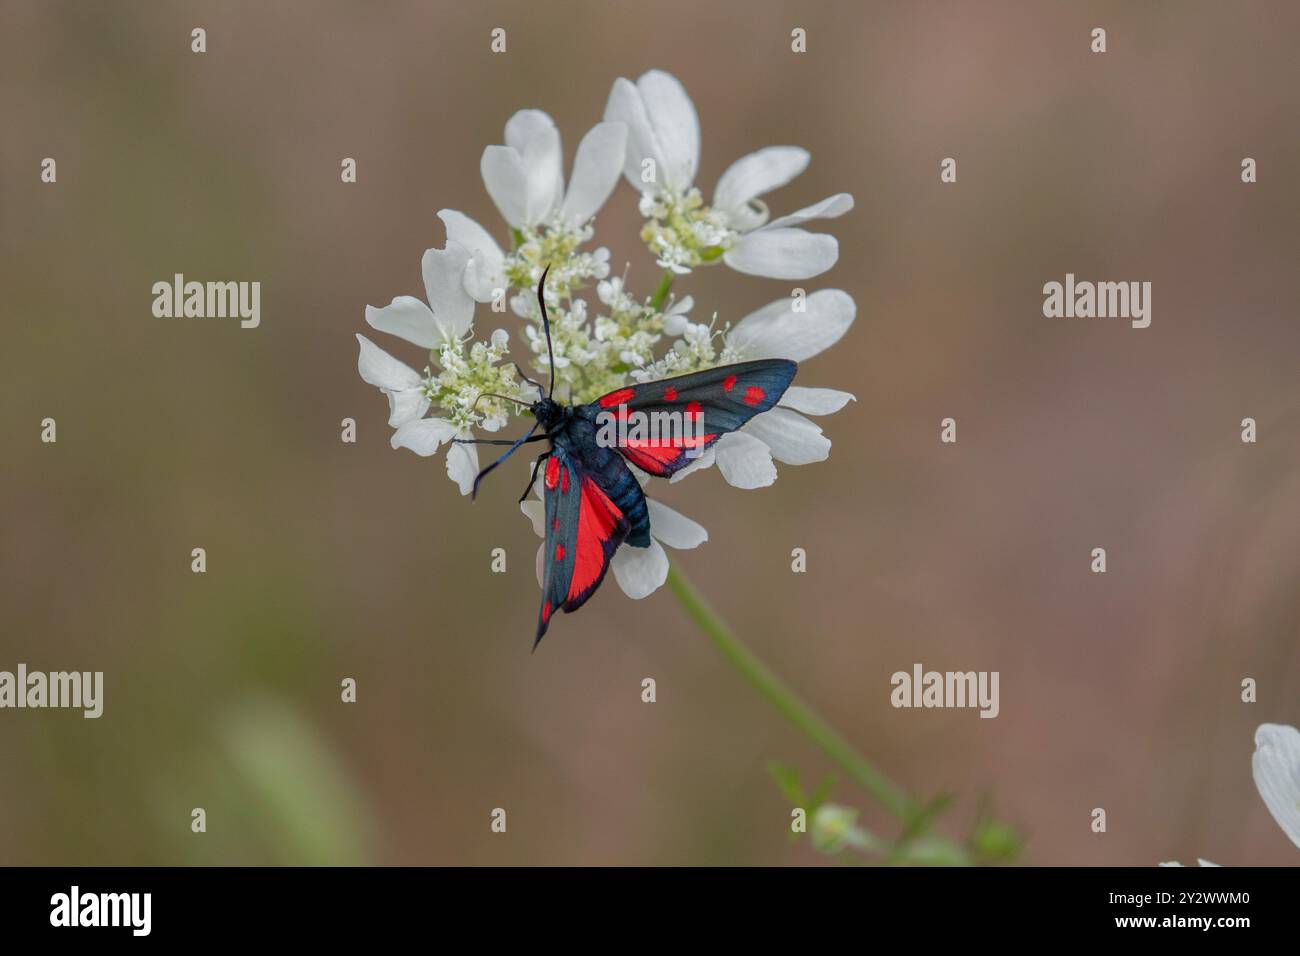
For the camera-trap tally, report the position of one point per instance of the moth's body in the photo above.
(593, 501)
(572, 431)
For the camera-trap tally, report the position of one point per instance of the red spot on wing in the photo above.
(620, 397)
(598, 518)
(556, 524)
(754, 395)
(694, 410)
(553, 472)
(670, 394)
(729, 383)
(559, 552)
(564, 482)
(546, 612)
(655, 455)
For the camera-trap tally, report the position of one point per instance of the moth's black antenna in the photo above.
(505, 398)
(537, 385)
(546, 326)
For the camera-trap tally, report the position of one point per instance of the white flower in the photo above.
(664, 132)
(408, 400)
(639, 571)
(1275, 766)
(745, 458)
(449, 312)
(834, 827)
(1199, 862)
(465, 372)
(525, 179)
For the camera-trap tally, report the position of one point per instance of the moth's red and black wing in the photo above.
(724, 398)
(584, 528)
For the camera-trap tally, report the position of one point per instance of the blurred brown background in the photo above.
(328, 560)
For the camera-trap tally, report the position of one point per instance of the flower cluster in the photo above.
(603, 335)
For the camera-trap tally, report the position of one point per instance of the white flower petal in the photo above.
(662, 126)
(483, 282)
(406, 406)
(832, 207)
(792, 438)
(444, 283)
(673, 528)
(380, 369)
(535, 511)
(640, 571)
(815, 401)
(525, 126)
(533, 134)
(783, 253)
(758, 174)
(625, 106)
(407, 318)
(468, 233)
(506, 182)
(462, 464)
(485, 271)
(424, 436)
(745, 461)
(1275, 766)
(540, 565)
(596, 169)
(777, 331)
(396, 379)
(677, 128)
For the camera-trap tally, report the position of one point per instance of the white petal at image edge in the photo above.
(1275, 765)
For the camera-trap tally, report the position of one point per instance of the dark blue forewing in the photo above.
(712, 403)
(584, 528)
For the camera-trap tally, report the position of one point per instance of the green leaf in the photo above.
(820, 795)
(788, 780)
(927, 815)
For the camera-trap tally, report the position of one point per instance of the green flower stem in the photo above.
(884, 790)
(661, 293)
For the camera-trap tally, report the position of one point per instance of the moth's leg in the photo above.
(496, 441)
(533, 480)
